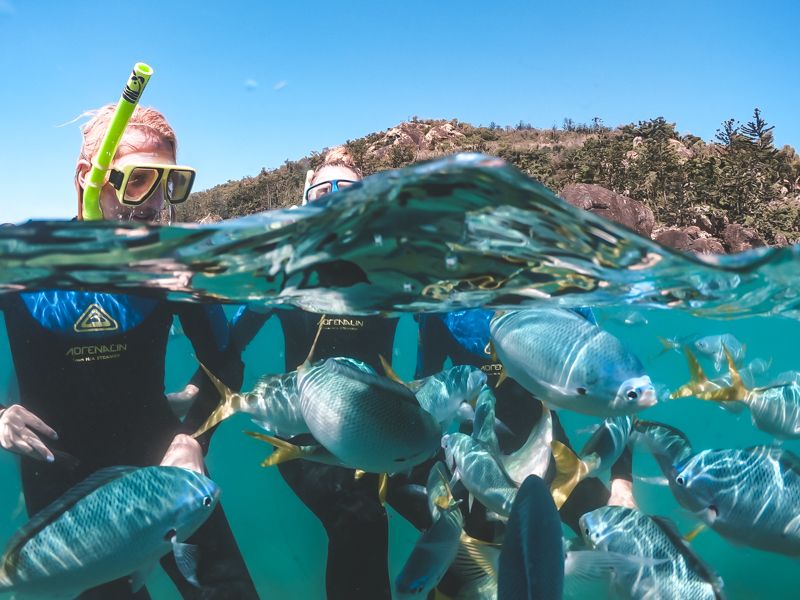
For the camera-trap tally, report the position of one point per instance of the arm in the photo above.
(622, 480)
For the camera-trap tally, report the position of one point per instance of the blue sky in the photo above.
(250, 84)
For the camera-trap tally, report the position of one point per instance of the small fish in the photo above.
(117, 523)
(670, 447)
(578, 366)
(607, 443)
(437, 548)
(774, 409)
(712, 346)
(662, 564)
(632, 319)
(367, 421)
(759, 366)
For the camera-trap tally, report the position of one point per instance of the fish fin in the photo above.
(735, 391)
(444, 498)
(693, 560)
(313, 347)
(383, 487)
(186, 559)
(570, 470)
(493, 516)
(483, 424)
(54, 510)
(657, 480)
(698, 379)
(599, 564)
(477, 554)
(230, 403)
(358, 474)
(689, 537)
(470, 500)
(501, 379)
(390, 372)
(667, 345)
(490, 350)
(139, 577)
(284, 451)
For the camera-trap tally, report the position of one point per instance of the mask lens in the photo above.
(343, 184)
(319, 190)
(141, 183)
(179, 184)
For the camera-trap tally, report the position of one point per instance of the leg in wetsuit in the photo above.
(356, 524)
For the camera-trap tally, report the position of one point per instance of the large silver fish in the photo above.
(567, 362)
(367, 421)
(274, 402)
(667, 568)
(750, 496)
(117, 523)
(436, 549)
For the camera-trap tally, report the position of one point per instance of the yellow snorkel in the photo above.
(100, 163)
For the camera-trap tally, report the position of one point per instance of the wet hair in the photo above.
(338, 157)
(143, 118)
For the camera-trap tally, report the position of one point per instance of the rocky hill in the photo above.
(733, 193)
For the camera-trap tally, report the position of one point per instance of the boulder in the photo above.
(738, 238)
(690, 239)
(614, 207)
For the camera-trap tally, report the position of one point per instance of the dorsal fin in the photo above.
(52, 512)
(390, 372)
(313, 348)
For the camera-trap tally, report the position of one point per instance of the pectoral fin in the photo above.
(139, 577)
(284, 451)
(570, 470)
(390, 372)
(383, 487)
(186, 559)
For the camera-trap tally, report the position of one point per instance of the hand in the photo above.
(18, 427)
(184, 451)
(181, 402)
(622, 493)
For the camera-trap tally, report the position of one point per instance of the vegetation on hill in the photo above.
(739, 177)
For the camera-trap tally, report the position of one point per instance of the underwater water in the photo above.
(462, 232)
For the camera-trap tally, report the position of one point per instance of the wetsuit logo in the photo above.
(95, 319)
(341, 324)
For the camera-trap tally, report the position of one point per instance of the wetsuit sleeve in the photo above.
(432, 346)
(245, 326)
(207, 329)
(623, 468)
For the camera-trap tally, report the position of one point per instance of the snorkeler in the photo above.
(349, 509)
(90, 365)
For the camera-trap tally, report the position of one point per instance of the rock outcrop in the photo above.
(690, 239)
(738, 238)
(614, 207)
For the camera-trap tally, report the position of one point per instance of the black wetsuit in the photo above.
(463, 336)
(91, 366)
(350, 511)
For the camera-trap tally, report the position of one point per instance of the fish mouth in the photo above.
(648, 397)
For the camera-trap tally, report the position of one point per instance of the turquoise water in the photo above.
(439, 251)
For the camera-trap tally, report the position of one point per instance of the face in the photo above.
(330, 173)
(137, 147)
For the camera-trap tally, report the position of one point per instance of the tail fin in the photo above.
(390, 372)
(230, 403)
(735, 391)
(570, 471)
(284, 451)
(667, 345)
(699, 381)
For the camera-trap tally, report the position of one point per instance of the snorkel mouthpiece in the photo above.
(97, 175)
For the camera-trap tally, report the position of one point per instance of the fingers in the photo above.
(34, 422)
(38, 449)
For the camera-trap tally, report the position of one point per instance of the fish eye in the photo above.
(633, 395)
(586, 531)
(581, 391)
(170, 534)
(207, 501)
(680, 480)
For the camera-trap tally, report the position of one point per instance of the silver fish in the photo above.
(274, 402)
(750, 496)
(669, 446)
(608, 442)
(367, 421)
(534, 456)
(443, 393)
(774, 409)
(714, 346)
(577, 365)
(117, 523)
(667, 567)
(436, 549)
(473, 459)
